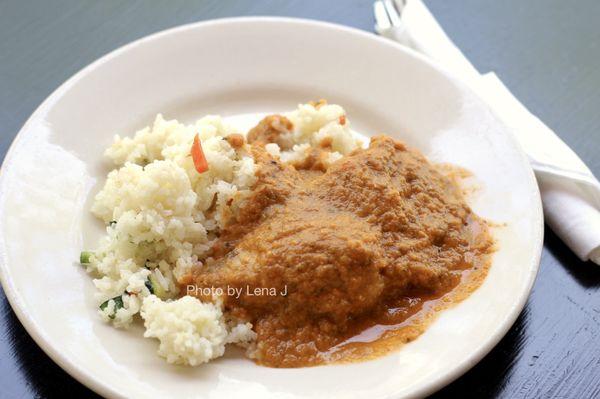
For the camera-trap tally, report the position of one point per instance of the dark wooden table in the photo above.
(546, 51)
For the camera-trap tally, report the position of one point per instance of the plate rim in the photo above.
(103, 388)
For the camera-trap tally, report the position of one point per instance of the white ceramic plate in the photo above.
(236, 66)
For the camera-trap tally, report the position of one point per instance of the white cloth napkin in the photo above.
(570, 192)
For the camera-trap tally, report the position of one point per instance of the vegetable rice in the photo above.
(162, 216)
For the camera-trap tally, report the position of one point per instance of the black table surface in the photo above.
(546, 51)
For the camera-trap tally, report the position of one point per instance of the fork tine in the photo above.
(392, 11)
(382, 21)
(400, 6)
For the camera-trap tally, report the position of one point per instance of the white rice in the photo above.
(156, 207)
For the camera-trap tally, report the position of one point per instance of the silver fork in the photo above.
(387, 13)
(387, 16)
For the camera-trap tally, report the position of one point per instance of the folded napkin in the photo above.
(570, 192)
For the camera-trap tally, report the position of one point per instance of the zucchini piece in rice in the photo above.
(118, 300)
(85, 258)
(155, 287)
